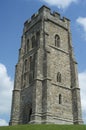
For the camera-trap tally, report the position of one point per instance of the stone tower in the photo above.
(46, 88)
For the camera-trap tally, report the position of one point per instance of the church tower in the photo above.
(46, 88)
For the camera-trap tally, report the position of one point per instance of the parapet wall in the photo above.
(45, 13)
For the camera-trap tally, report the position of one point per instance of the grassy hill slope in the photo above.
(44, 127)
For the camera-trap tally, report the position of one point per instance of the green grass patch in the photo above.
(44, 127)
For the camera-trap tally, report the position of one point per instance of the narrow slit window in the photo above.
(60, 99)
(25, 65)
(27, 46)
(33, 41)
(57, 41)
(37, 38)
(59, 77)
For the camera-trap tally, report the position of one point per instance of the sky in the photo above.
(13, 14)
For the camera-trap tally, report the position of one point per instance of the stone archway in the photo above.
(27, 111)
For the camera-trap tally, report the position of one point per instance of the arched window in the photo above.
(32, 68)
(57, 41)
(58, 77)
(37, 38)
(25, 65)
(27, 46)
(31, 63)
(60, 99)
(33, 41)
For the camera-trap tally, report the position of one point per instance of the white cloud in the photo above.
(82, 83)
(60, 3)
(6, 86)
(3, 122)
(82, 22)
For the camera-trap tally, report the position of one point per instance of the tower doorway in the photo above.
(27, 111)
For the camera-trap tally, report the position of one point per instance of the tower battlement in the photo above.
(44, 13)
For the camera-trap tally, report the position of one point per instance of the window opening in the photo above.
(57, 41)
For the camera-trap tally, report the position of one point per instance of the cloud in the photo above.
(82, 22)
(82, 83)
(60, 3)
(3, 122)
(6, 86)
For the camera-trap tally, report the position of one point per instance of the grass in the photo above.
(44, 127)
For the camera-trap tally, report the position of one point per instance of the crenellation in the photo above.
(66, 19)
(33, 16)
(56, 14)
(63, 22)
(27, 21)
(45, 12)
(44, 8)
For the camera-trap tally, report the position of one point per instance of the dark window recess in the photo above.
(25, 66)
(60, 99)
(58, 77)
(37, 39)
(33, 42)
(32, 68)
(27, 46)
(57, 41)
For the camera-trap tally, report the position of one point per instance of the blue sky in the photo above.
(13, 14)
